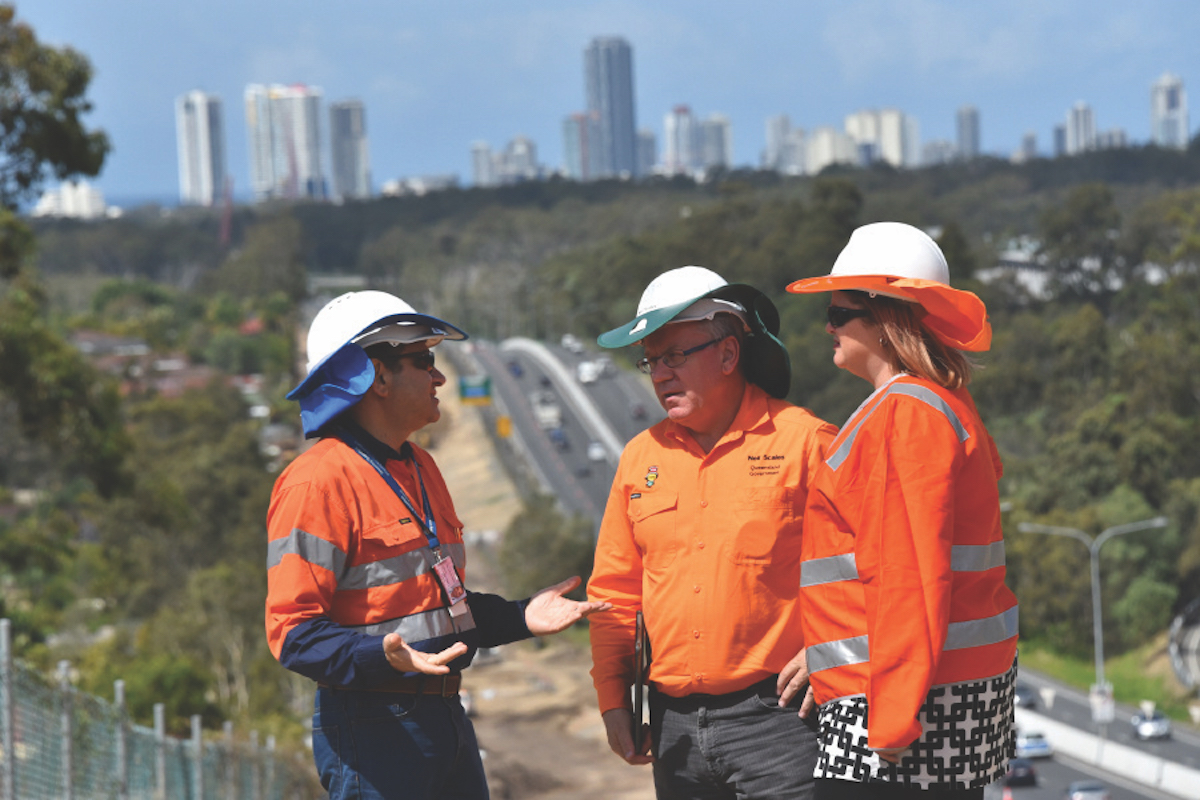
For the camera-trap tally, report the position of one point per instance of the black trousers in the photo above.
(833, 789)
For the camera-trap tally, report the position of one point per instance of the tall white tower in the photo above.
(1169, 113)
(348, 145)
(284, 126)
(1080, 129)
(200, 134)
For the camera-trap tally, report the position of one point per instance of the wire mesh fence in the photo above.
(60, 744)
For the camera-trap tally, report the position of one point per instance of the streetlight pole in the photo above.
(1093, 546)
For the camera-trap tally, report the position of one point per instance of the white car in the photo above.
(1033, 744)
(596, 452)
(1155, 725)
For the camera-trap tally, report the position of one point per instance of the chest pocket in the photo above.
(393, 534)
(654, 519)
(764, 527)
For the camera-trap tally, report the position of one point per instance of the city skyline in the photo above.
(436, 81)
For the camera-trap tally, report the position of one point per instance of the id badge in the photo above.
(448, 577)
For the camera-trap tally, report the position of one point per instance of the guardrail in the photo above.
(1119, 759)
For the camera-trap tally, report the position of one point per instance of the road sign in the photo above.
(475, 390)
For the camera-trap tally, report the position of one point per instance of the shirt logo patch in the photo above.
(406, 520)
(651, 477)
(635, 495)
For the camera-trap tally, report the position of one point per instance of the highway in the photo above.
(603, 412)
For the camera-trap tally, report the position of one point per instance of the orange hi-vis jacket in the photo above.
(348, 563)
(707, 545)
(902, 575)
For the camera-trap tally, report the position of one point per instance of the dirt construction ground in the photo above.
(534, 707)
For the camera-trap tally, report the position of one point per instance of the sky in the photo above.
(437, 75)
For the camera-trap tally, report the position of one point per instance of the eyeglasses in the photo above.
(421, 359)
(840, 315)
(673, 358)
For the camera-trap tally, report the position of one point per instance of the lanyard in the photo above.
(428, 524)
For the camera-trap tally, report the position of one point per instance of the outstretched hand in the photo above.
(793, 680)
(549, 612)
(405, 659)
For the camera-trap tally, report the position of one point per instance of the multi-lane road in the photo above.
(603, 414)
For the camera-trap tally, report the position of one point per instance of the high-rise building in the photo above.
(967, 123)
(608, 71)
(647, 151)
(890, 135)
(348, 144)
(1060, 140)
(581, 153)
(778, 128)
(200, 135)
(681, 142)
(1169, 113)
(483, 166)
(829, 146)
(1080, 129)
(716, 142)
(284, 125)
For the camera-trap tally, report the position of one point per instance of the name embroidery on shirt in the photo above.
(765, 465)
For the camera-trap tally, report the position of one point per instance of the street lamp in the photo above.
(1094, 546)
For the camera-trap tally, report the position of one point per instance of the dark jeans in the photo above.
(739, 745)
(831, 789)
(383, 746)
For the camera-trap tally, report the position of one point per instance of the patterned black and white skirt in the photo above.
(968, 738)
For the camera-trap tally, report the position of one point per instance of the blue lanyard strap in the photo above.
(427, 523)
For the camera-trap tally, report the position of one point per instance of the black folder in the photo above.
(641, 664)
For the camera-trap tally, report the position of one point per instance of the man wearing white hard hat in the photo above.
(911, 631)
(366, 568)
(702, 535)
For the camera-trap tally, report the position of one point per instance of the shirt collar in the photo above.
(377, 449)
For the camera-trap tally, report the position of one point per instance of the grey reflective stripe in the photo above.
(976, 557)
(828, 570)
(313, 549)
(841, 653)
(386, 572)
(980, 632)
(839, 455)
(925, 395)
(933, 399)
(419, 627)
(397, 569)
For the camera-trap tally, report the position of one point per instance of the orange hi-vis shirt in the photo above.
(708, 547)
(902, 582)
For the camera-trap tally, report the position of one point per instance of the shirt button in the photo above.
(696, 589)
(700, 545)
(695, 634)
(704, 504)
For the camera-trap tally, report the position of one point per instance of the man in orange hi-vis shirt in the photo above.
(366, 566)
(702, 534)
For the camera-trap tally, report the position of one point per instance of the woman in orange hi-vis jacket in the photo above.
(911, 634)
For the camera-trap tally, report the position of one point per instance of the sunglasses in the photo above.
(840, 315)
(422, 359)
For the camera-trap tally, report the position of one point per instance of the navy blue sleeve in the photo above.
(331, 654)
(499, 621)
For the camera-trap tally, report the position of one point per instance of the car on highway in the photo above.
(572, 343)
(1024, 695)
(596, 452)
(515, 369)
(559, 437)
(1033, 744)
(1021, 772)
(1155, 725)
(1086, 790)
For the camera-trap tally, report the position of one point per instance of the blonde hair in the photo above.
(911, 346)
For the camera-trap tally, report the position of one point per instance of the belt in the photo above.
(442, 685)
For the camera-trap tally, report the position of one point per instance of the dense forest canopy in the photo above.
(140, 555)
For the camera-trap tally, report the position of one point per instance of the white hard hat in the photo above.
(370, 317)
(339, 371)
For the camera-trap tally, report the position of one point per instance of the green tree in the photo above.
(1079, 239)
(542, 547)
(42, 104)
